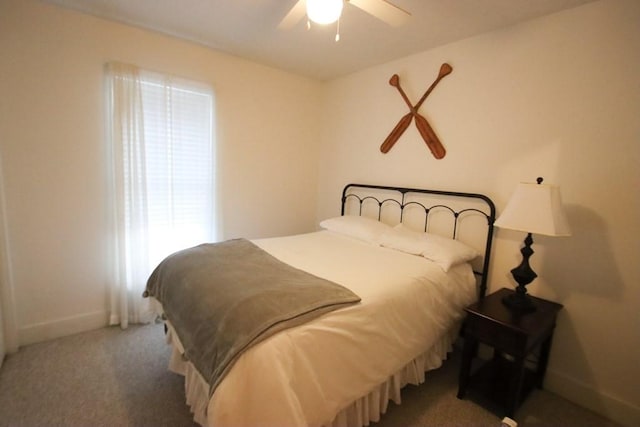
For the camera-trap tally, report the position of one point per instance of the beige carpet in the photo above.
(111, 377)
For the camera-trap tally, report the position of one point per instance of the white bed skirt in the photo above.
(361, 412)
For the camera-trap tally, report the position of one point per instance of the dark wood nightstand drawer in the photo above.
(485, 330)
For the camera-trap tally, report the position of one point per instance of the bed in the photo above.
(413, 257)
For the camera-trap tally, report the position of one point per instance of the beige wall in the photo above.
(557, 97)
(53, 152)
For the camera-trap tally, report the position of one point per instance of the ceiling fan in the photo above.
(329, 11)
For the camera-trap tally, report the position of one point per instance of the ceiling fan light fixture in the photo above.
(324, 12)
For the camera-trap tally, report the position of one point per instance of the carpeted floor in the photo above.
(111, 377)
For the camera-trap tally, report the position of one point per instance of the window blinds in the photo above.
(179, 163)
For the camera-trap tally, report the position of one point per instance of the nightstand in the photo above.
(508, 377)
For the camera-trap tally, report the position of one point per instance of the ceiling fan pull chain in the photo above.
(338, 31)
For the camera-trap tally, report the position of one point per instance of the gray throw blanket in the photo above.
(223, 298)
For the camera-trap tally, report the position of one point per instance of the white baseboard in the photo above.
(59, 328)
(617, 410)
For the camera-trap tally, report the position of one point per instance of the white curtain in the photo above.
(129, 200)
(162, 180)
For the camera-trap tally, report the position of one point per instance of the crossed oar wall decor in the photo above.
(425, 129)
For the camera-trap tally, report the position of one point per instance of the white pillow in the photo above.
(403, 239)
(441, 250)
(359, 227)
(448, 252)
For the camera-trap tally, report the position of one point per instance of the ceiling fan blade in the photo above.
(383, 10)
(297, 12)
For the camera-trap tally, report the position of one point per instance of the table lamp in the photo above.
(533, 208)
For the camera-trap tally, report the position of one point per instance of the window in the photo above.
(179, 165)
(163, 168)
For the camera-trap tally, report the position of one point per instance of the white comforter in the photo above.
(308, 374)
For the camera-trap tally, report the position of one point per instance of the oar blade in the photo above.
(430, 137)
(395, 134)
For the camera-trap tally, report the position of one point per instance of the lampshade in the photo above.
(535, 208)
(324, 11)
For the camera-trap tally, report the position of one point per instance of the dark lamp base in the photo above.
(519, 302)
(523, 275)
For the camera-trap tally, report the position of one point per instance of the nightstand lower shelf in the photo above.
(491, 383)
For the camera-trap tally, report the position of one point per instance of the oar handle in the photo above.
(445, 70)
(395, 82)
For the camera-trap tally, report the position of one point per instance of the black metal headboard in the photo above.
(442, 212)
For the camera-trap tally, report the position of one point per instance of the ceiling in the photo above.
(249, 28)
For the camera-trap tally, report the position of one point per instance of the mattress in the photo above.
(343, 367)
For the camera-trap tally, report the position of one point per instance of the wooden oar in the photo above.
(426, 131)
(445, 70)
(430, 137)
(393, 137)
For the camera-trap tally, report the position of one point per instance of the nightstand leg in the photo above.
(468, 353)
(541, 369)
(515, 389)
